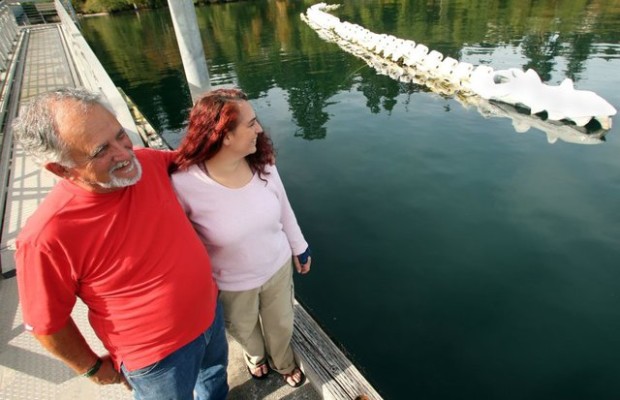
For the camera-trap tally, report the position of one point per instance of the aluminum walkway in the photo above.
(27, 371)
(56, 55)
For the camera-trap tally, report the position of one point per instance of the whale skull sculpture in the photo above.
(404, 59)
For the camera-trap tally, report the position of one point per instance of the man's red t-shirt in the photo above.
(131, 255)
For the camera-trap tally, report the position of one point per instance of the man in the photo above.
(112, 233)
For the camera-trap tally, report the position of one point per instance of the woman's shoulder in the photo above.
(188, 175)
(271, 168)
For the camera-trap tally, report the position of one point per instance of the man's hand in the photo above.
(108, 375)
(69, 345)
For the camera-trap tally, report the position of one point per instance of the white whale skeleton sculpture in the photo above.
(407, 61)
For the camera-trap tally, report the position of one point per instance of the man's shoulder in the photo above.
(45, 218)
(155, 163)
(152, 155)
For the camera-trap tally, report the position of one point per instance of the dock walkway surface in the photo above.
(27, 371)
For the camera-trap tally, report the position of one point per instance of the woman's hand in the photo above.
(302, 268)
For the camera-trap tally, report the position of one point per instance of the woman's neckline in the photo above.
(232, 181)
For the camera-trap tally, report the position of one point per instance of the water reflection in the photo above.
(261, 45)
(522, 121)
(521, 118)
(455, 256)
(308, 108)
(407, 61)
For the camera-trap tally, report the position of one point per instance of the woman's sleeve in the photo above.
(181, 190)
(289, 221)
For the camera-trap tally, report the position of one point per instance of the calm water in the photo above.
(454, 257)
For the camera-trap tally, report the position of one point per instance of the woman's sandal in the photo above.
(290, 378)
(264, 369)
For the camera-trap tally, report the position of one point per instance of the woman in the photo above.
(226, 180)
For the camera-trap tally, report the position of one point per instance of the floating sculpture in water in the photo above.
(407, 61)
(563, 102)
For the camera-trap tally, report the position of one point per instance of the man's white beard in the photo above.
(116, 182)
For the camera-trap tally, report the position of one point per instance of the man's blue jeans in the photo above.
(197, 368)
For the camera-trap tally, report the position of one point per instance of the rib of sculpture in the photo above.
(406, 61)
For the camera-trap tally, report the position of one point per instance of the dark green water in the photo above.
(454, 257)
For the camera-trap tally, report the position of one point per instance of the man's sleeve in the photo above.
(47, 291)
(165, 157)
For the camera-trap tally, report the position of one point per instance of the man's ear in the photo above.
(57, 169)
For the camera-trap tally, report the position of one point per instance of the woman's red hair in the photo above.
(213, 115)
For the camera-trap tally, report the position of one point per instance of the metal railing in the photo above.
(33, 12)
(8, 35)
(11, 51)
(92, 75)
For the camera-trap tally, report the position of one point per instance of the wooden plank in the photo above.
(326, 366)
(150, 137)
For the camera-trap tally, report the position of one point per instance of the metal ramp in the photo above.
(27, 371)
(39, 12)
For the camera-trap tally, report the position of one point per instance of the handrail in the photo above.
(8, 34)
(92, 74)
(11, 85)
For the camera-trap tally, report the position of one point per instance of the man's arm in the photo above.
(69, 345)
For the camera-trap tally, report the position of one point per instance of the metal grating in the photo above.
(46, 66)
(27, 371)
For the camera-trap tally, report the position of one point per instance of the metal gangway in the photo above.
(35, 58)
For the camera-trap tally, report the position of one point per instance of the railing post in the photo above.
(8, 34)
(92, 74)
(190, 45)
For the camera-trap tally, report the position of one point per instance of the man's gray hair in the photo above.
(36, 129)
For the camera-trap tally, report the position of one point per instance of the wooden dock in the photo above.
(40, 59)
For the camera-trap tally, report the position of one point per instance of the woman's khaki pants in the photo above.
(261, 321)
